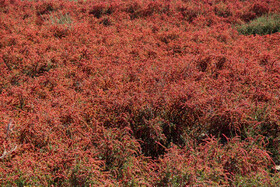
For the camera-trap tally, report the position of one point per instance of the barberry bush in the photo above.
(139, 93)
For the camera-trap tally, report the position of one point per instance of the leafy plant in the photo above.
(263, 25)
(139, 93)
(60, 19)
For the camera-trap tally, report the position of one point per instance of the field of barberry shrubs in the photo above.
(139, 92)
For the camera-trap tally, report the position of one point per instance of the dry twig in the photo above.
(9, 129)
(5, 153)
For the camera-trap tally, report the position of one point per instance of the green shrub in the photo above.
(259, 179)
(263, 25)
(60, 19)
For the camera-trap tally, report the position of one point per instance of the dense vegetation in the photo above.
(263, 25)
(134, 92)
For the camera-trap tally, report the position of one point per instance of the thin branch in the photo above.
(9, 128)
(5, 153)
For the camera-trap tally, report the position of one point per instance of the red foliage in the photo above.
(137, 93)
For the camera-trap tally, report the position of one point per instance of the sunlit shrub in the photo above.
(139, 93)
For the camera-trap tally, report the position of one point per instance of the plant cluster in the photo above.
(263, 25)
(134, 92)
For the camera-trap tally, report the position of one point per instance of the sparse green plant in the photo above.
(60, 19)
(263, 25)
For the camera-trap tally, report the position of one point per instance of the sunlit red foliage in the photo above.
(133, 92)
